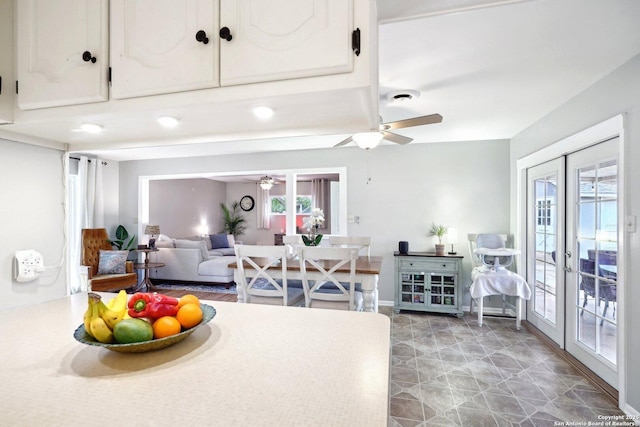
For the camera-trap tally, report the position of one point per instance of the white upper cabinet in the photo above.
(163, 46)
(6, 61)
(62, 52)
(284, 39)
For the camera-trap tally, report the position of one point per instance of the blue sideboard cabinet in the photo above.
(428, 282)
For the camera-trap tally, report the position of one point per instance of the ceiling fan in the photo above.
(266, 182)
(368, 140)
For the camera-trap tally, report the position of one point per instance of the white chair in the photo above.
(361, 243)
(324, 285)
(257, 266)
(489, 276)
(292, 242)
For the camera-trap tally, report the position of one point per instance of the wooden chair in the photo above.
(324, 286)
(95, 240)
(258, 284)
(361, 243)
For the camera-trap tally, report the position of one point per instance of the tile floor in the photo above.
(447, 371)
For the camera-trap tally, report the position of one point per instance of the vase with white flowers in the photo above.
(312, 224)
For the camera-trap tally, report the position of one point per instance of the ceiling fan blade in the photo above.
(345, 142)
(398, 139)
(416, 121)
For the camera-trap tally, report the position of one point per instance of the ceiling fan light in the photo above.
(367, 140)
(266, 185)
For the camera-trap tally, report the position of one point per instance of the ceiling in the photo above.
(490, 68)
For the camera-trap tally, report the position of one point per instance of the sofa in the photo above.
(194, 259)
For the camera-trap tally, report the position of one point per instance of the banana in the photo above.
(88, 316)
(101, 331)
(110, 317)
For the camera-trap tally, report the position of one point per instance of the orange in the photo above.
(189, 315)
(185, 299)
(166, 326)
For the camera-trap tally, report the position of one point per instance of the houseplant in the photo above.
(312, 224)
(120, 241)
(233, 219)
(438, 230)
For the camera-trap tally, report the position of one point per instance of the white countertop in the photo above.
(251, 365)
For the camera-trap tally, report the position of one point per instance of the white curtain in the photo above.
(86, 210)
(263, 208)
(321, 198)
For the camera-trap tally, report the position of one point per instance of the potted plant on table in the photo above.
(438, 230)
(312, 224)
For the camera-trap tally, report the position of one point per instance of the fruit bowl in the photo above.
(81, 335)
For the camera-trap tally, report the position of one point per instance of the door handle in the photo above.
(568, 269)
(568, 254)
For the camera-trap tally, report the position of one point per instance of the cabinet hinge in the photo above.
(109, 74)
(355, 41)
(16, 87)
(0, 85)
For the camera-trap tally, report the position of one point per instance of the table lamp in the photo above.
(152, 230)
(452, 237)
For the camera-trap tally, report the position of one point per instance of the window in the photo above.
(279, 205)
(544, 212)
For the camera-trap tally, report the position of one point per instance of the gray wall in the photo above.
(462, 184)
(31, 217)
(617, 93)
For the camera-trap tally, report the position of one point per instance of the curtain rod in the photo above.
(89, 160)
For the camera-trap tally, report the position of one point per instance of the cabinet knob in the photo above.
(86, 57)
(225, 33)
(201, 36)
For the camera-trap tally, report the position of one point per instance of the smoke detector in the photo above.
(400, 96)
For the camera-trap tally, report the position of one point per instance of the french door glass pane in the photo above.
(597, 219)
(545, 194)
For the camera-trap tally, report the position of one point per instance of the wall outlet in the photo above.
(28, 265)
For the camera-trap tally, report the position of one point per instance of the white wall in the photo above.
(180, 206)
(617, 93)
(462, 184)
(31, 217)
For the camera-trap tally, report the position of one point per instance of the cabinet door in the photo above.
(284, 39)
(52, 38)
(6, 64)
(154, 48)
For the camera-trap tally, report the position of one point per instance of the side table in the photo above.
(146, 266)
(146, 253)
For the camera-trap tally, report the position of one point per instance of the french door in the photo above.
(592, 242)
(572, 254)
(545, 246)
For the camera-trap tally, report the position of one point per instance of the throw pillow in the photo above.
(232, 240)
(219, 241)
(112, 262)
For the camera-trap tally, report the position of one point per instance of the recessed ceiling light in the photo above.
(168, 121)
(91, 128)
(263, 113)
(400, 96)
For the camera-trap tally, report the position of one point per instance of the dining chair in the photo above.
(607, 287)
(361, 243)
(324, 285)
(292, 243)
(257, 266)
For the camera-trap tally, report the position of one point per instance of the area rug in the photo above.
(198, 287)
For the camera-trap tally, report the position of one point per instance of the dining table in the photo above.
(367, 274)
(251, 365)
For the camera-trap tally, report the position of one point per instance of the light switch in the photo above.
(630, 224)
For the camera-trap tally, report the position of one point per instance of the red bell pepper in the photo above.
(152, 305)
